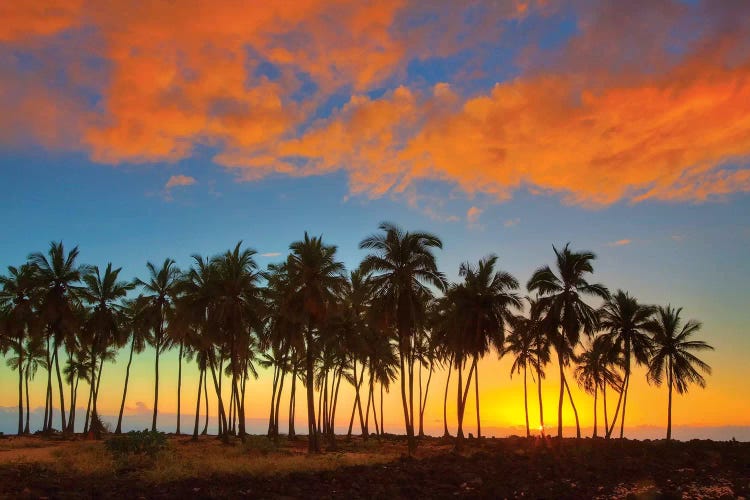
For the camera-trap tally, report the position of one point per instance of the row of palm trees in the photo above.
(312, 324)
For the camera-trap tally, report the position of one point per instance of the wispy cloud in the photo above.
(472, 215)
(620, 243)
(512, 222)
(180, 180)
(270, 254)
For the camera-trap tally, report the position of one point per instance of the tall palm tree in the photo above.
(161, 289)
(673, 355)
(565, 312)
(137, 330)
(36, 357)
(317, 279)
(106, 321)
(594, 371)
(520, 344)
(483, 301)
(56, 275)
(624, 321)
(17, 294)
(403, 266)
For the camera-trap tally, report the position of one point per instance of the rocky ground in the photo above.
(491, 468)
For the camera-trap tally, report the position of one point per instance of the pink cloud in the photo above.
(180, 180)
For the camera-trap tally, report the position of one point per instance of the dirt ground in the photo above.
(35, 467)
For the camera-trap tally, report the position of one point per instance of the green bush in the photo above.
(145, 443)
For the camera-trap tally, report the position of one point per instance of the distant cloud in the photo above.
(180, 180)
(472, 215)
(677, 237)
(620, 243)
(270, 254)
(512, 222)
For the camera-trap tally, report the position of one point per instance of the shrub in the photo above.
(143, 443)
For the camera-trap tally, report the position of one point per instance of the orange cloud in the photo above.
(620, 243)
(180, 180)
(472, 215)
(585, 122)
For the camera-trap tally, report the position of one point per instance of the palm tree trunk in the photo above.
(179, 386)
(312, 437)
(47, 403)
(611, 428)
(575, 411)
(402, 380)
(374, 410)
(198, 405)
(88, 405)
(539, 393)
(69, 429)
(366, 428)
(382, 422)
(445, 399)
(596, 393)
(20, 396)
(356, 397)
(72, 419)
(669, 404)
(28, 404)
(291, 434)
(421, 429)
(562, 394)
(118, 430)
(62, 392)
(273, 399)
(459, 406)
(205, 400)
(624, 403)
(222, 415)
(336, 398)
(476, 396)
(278, 405)
(156, 388)
(411, 396)
(526, 402)
(96, 388)
(604, 400)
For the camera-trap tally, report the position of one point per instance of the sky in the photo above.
(503, 127)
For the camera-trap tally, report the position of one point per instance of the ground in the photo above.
(54, 467)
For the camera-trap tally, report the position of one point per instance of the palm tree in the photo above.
(403, 266)
(36, 357)
(482, 303)
(56, 275)
(594, 371)
(624, 321)
(160, 289)
(520, 344)
(76, 368)
(565, 312)
(18, 320)
(105, 323)
(137, 329)
(673, 355)
(316, 278)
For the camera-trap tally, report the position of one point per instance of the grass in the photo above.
(206, 458)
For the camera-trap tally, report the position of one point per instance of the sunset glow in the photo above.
(503, 127)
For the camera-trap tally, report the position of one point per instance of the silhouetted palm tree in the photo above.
(137, 329)
(624, 321)
(673, 355)
(403, 266)
(160, 289)
(483, 301)
(316, 278)
(17, 293)
(594, 371)
(565, 313)
(105, 324)
(56, 275)
(520, 344)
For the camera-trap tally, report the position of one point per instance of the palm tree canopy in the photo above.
(560, 295)
(625, 321)
(674, 346)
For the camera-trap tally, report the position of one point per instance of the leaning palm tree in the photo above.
(594, 371)
(673, 355)
(161, 288)
(403, 265)
(317, 279)
(624, 321)
(565, 313)
(56, 275)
